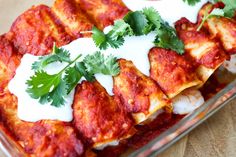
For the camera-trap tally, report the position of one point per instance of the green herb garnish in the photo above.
(230, 8)
(58, 55)
(97, 63)
(228, 11)
(192, 2)
(136, 24)
(54, 88)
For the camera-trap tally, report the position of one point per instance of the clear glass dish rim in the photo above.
(188, 123)
(164, 140)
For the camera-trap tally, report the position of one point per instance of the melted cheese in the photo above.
(170, 10)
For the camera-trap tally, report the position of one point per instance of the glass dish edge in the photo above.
(164, 140)
(188, 123)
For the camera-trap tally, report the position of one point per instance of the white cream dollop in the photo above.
(187, 101)
(135, 49)
(170, 10)
(30, 109)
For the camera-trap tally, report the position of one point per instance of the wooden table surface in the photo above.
(214, 138)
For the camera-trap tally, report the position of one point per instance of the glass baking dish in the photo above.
(9, 148)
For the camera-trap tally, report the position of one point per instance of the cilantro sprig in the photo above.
(215, 12)
(228, 11)
(230, 7)
(54, 88)
(97, 63)
(136, 24)
(191, 2)
(58, 55)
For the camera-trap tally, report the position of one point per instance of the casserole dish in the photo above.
(165, 139)
(178, 130)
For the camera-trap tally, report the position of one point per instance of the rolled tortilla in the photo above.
(139, 94)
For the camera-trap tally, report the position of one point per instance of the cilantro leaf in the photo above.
(115, 43)
(43, 99)
(192, 2)
(53, 89)
(42, 83)
(99, 38)
(57, 96)
(97, 63)
(43, 62)
(153, 17)
(72, 77)
(167, 38)
(166, 35)
(228, 11)
(120, 28)
(83, 71)
(230, 8)
(59, 54)
(112, 65)
(103, 41)
(137, 22)
(62, 54)
(214, 12)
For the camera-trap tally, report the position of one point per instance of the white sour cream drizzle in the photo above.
(170, 10)
(135, 48)
(30, 109)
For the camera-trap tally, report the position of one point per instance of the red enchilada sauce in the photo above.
(146, 133)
